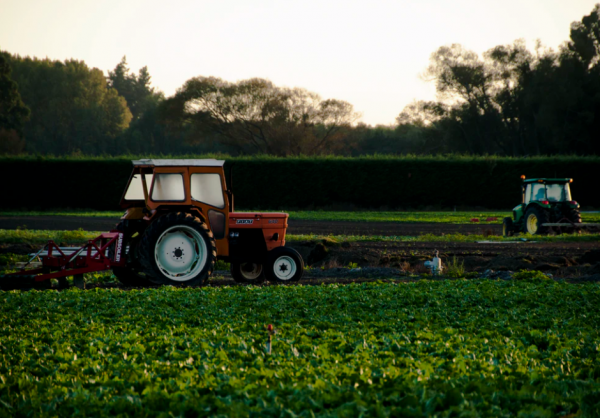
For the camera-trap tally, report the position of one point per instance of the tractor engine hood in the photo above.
(262, 220)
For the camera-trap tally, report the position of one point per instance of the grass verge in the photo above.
(465, 217)
(447, 238)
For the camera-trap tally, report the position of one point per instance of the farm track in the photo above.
(397, 261)
(561, 259)
(296, 227)
(492, 249)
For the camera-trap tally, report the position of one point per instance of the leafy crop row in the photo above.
(457, 348)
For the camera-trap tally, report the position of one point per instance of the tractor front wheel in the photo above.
(534, 219)
(178, 249)
(508, 227)
(284, 265)
(248, 273)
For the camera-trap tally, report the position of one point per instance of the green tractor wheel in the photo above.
(534, 218)
(508, 228)
(574, 216)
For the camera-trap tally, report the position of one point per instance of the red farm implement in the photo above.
(101, 253)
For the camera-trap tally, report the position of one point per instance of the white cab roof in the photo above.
(179, 163)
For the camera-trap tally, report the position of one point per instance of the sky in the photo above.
(368, 53)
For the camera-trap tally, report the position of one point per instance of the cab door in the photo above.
(208, 193)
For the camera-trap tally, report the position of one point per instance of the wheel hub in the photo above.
(251, 271)
(284, 268)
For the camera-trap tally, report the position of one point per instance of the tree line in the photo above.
(509, 101)
(513, 101)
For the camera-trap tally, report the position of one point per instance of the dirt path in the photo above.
(295, 226)
(345, 262)
(563, 258)
(357, 262)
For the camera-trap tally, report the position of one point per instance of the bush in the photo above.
(530, 276)
(455, 268)
(307, 183)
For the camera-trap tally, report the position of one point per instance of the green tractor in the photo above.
(546, 204)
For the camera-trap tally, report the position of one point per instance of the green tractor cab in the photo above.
(546, 203)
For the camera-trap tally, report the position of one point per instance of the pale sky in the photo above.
(369, 53)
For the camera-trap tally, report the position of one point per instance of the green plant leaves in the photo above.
(429, 348)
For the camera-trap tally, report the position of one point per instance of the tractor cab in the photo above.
(546, 191)
(545, 202)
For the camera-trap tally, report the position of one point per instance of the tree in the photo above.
(136, 90)
(72, 108)
(585, 39)
(13, 112)
(464, 84)
(482, 105)
(515, 102)
(578, 73)
(255, 116)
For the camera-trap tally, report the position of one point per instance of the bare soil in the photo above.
(333, 262)
(561, 259)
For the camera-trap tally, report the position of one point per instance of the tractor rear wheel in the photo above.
(130, 274)
(178, 249)
(508, 227)
(247, 273)
(574, 216)
(284, 265)
(534, 218)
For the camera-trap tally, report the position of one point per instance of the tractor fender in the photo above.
(538, 204)
(164, 210)
(518, 213)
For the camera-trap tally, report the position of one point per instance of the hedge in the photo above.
(308, 183)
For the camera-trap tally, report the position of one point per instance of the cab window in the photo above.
(135, 191)
(168, 187)
(538, 191)
(528, 194)
(207, 188)
(558, 192)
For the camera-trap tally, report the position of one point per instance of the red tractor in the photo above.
(179, 220)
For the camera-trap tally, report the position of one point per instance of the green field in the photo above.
(39, 237)
(526, 348)
(359, 216)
